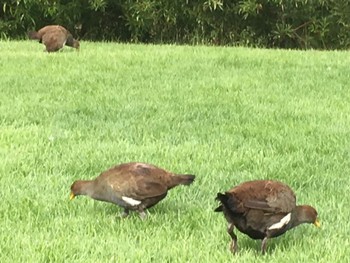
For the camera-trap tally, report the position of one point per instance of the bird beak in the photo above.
(317, 223)
(71, 196)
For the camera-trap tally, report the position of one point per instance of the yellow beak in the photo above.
(71, 196)
(317, 223)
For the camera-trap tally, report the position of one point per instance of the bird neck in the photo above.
(298, 217)
(88, 187)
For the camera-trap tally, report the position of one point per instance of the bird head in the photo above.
(75, 189)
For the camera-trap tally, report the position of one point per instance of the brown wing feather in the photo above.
(266, 195)
(136, 169)
(54, 40)
(52, 28)
(147, 188)
(130, 183)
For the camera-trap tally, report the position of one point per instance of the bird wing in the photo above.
(49, 37)
(54, 40)
(148, 188)
(138, 187)
(268, 196)
(51, 28)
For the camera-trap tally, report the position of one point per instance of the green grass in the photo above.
(225, 114)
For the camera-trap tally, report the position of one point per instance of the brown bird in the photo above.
(263, 209)
(54, 37)
(133, 186)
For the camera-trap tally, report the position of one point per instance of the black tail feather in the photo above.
(223, 199)
(220, 208)
(227, 201)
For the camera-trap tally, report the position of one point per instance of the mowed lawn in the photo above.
(225, 114)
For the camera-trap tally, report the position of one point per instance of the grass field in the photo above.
(225, 114)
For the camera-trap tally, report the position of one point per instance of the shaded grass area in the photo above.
(225, 114)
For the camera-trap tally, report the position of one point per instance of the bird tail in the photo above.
(223, 198)
(220, 208)
(227, 201)
(33, 35)
(184, 179)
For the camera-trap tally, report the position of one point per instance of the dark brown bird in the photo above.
(133, 186)
(263, 209)
(54, 37)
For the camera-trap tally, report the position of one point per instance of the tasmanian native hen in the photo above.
(263, 209)
(54, 37)
(133, 186)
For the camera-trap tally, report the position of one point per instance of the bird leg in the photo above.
(142, 214)
(263, 245)
(233, 245)
(125, 213)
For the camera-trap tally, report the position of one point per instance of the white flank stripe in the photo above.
(284, 221)
(131, 201)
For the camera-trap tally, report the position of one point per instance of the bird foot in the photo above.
(263, 246)
(124, 214)
(143, 215)
(233, 247)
